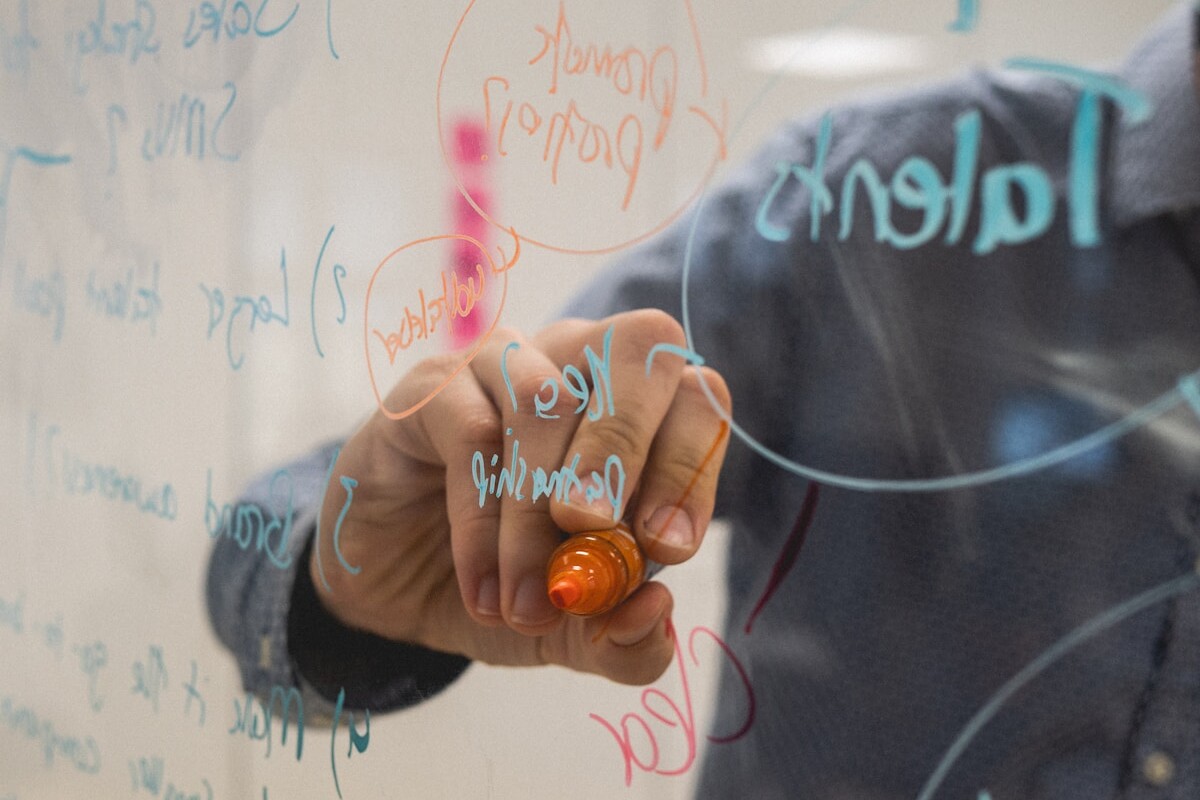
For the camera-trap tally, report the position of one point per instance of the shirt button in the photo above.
(264, 653)
(1158, 768)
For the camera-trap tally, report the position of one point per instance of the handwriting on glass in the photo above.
(676, 717)
(584, 115)
(456, 302)
(917, 184)
(80, 752)
(562, 482)
(50, 463)
(250, 525)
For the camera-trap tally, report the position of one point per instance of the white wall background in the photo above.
(88, 584)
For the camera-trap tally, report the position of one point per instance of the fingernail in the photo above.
(631, 636)
(600, 506)
(531, 606)
(671, 525)
(487, 603)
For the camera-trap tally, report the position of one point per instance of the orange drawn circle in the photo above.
(470, 355)
(719, 151)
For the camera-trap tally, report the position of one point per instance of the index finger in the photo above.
(622, 408)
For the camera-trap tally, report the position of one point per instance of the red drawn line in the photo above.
(791, 550)
(471, 154)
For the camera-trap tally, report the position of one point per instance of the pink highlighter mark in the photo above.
(470, 156)
(791, 550)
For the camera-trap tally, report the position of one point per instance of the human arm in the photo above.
(733, 281)
(458, 567)
(417, 527)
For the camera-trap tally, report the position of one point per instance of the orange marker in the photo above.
(592, 572)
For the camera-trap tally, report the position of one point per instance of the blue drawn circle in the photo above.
(1187, 390)
(1175, 587)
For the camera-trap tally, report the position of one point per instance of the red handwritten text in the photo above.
(674, 715)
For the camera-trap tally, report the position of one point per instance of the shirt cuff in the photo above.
(375, 673)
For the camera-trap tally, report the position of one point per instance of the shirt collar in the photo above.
(1156, 166)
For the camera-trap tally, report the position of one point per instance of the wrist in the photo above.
(373, 671)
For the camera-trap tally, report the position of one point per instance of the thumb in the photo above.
(632, 644)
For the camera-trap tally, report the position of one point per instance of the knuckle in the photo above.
(503, 335)
(435, 366)
(480, 429)
(424, 375)
(562, 329)
(647, 327)
(694, 383)
(536, 384)
(676, 470)
(620, 435)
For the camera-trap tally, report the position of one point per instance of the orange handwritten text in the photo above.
(582, 116)
(457, 300)
(390, 331)
(650, 80)
(629, 72)
(591, 140)
(676, 716)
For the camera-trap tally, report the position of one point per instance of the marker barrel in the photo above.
(593, 572)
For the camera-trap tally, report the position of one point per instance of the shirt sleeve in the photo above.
(264, 608)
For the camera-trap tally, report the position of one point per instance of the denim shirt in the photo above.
(1000, 417)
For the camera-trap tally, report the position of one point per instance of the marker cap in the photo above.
(592, 572)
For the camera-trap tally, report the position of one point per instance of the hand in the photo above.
(443, 572)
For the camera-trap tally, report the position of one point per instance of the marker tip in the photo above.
(565, 593)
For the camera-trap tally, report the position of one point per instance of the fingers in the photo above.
(463, 428)
(663, 437)
(679, 483)
(635, 645)
(623, 415)
(631, 644)
(538, 425)
(555, 434)
(411, 484)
